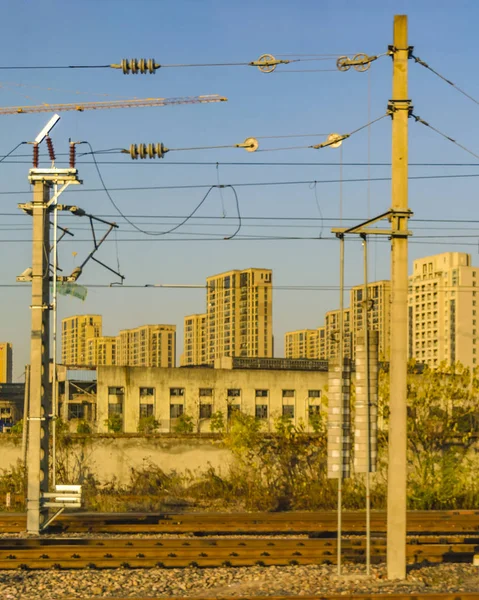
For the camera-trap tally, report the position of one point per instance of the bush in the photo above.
(184, 424)
(84, 427)
(217, 423)
(148, 425)
(114, 423)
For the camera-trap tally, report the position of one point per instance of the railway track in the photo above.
(313, 523)
(103, 553)
(391, 596)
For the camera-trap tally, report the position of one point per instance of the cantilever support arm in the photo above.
(96, 243)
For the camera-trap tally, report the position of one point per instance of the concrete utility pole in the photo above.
(40, 406)
(400, 107)
(40, 393)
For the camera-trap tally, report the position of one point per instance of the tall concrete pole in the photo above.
(397, 468)
(40, 392)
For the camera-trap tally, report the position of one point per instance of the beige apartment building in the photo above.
(303, 343)
(6, 362)
(194, 348)
(102, 351)
(443, 310)
(238, 319)
(76, 331)
(322, 343)
(147, 346)
(331, 326)
(378, 313)
(239, 311)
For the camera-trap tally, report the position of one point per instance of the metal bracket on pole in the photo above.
(392, 215)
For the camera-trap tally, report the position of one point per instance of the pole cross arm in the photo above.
(96, 243)
(363, 229)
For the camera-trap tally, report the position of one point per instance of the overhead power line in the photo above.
(253, 184)
(448, 81)
(444, 135)
(150, 65)
(11, 151)
(175, 227)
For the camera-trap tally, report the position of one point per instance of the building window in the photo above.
(233, 408)
(116, 391)
(177, 391)
(115, 408)
(76, 411)
(146, 410)
(288, 411)
(234, 392)
(206, 410)
(288, 393)
(261, 411)
(176, 410)
(261, 393)
(206, 392)
(314, 393)
(147, 392)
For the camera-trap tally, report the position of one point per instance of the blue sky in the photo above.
(282, 103)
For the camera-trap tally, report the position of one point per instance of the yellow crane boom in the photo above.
(133, 103)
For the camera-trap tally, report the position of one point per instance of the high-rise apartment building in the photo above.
(102, 351)
(194, 349)
(443, 310)
(331, 326)
(76, 331)
(6, 362)
(239, 314)
(147, 346)
(303, 343)
(322, 343)
(378, 312)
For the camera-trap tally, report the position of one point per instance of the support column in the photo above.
(397, 466)
(40, 390)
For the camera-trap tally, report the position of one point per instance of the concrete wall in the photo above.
(109, 456)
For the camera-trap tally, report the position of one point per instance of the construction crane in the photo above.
(133, 103)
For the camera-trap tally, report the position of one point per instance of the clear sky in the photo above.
(314, 99)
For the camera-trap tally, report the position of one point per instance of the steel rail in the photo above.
(104, 553)
(453, 521)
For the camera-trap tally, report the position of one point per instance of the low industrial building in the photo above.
(266, 388)
(12, 397)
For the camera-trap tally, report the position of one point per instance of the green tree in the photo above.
(442, 428)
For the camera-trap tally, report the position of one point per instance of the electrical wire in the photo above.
(248, 164)
(158, 66)
(451, 83)
(193, 286)
(262, 218)
(176, 227)
(445, 136)
(239, 215)
(18, 68)
(253, 184)
(318, 206)
(11, 151)
(196, 237)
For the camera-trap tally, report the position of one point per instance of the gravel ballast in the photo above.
(252, 581)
